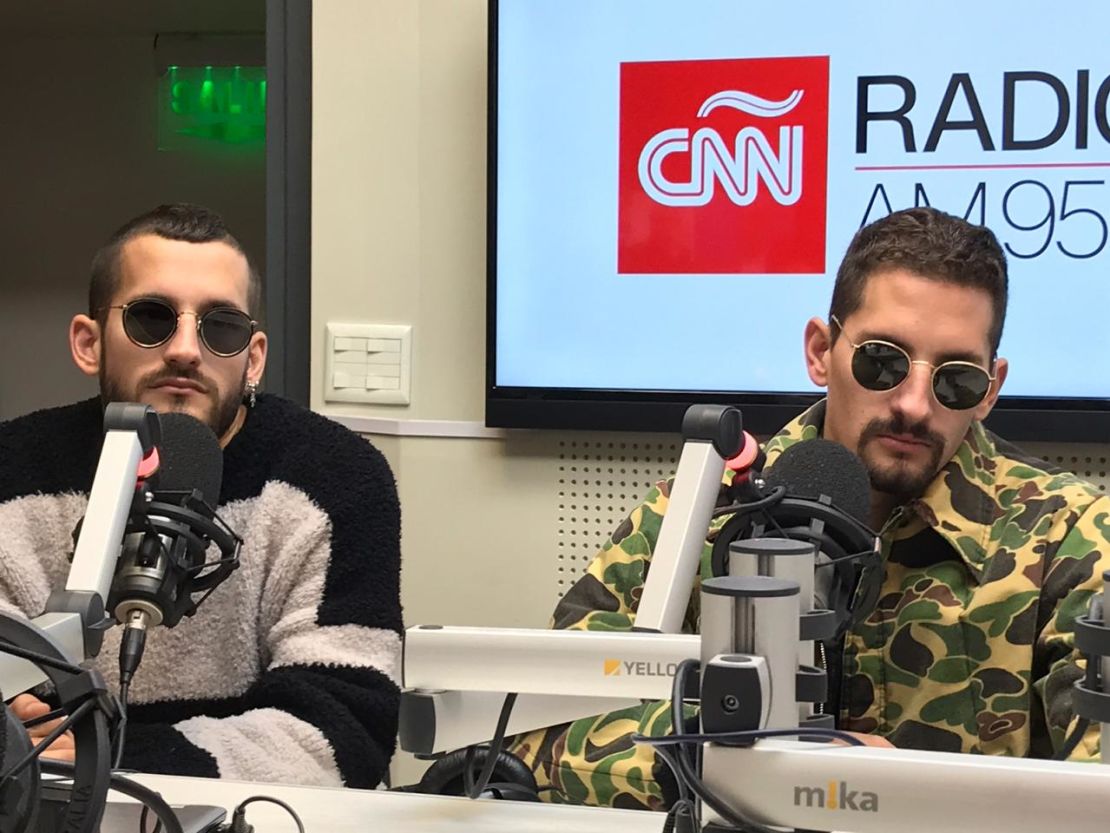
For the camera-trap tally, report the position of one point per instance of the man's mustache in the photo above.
(899, 426)
(158, 377)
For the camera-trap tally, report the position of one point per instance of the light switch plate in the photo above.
(368, 363)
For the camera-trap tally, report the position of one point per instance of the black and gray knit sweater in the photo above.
(288, 671)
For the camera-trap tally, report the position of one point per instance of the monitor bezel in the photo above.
(1018, 418)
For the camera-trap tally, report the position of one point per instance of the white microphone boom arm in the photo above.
(74, 618)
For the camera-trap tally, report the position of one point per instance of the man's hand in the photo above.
(27, 707)
(871, 740)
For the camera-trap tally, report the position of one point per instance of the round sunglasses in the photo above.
(149, 322)
(879, 365)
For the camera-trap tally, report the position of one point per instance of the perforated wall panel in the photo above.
(598, 482)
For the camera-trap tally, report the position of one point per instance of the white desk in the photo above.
(326, 810)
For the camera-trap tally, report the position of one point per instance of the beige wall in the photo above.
(78, 157)
(399, 109)
(398, 202)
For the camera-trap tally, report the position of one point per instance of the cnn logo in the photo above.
(723, 166)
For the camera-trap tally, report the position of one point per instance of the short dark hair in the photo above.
(928, 243)
(176, 221)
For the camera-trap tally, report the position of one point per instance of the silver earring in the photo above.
(252, 393)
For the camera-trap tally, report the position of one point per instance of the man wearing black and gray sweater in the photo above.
(288, 672)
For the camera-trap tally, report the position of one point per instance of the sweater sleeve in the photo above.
(607, 596)
(593, 760)
(324, 709)
(1072, 579)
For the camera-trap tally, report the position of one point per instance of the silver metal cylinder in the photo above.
(787, 559)
(779, 558)
(756, 615)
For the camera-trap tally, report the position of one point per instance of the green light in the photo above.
(180, 97)
(211, 104)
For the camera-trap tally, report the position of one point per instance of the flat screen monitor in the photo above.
(672, 187)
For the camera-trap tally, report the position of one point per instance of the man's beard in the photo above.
(219, 414)
(900, 478)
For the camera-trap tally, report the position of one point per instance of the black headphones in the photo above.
(850, 547)
(78, 689)
(511, 779)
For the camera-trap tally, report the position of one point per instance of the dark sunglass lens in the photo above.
(879, 366)
(960, 387)
(149, 323)
(226, 331)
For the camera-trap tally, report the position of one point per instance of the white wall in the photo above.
(398, 236)
(399, 116)
(78, 157)
(398, 167)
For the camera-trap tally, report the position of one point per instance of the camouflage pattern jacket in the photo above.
(969, 649)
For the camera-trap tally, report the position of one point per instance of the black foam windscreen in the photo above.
(190, 458)
(818, 467)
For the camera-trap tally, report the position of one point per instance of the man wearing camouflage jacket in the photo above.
(988, 555)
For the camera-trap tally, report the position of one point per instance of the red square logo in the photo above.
(723, 166)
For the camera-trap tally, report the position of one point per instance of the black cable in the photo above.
(130, 788)
(1093, 682)
(678, 719)
(494, 747)
(131, 647)
(239, 816)
(1073, 739)
(121, 730)
(468, 770)
(845, 559)
(776, 496)
(46, 718)
(508, 786)
(698, 787)
(39, 659)
(44, 744)
(686, 771)
(149, 798)
(770, 518)
(142, 822)
(683, 789)
(748, 737)
(682, 809)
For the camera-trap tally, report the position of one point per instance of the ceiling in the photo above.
(76, 18)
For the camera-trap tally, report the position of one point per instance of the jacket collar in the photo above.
(957, 504)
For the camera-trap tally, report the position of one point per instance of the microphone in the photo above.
(141, 544)
(822, 469)
(190, 458)
(817, 492)
(163, 562)
(807, 524)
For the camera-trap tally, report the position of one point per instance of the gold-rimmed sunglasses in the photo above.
(880, 365)
(151, 322)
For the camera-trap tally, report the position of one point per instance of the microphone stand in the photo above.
(1091, 695)
(49, 647)
(754, 685)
